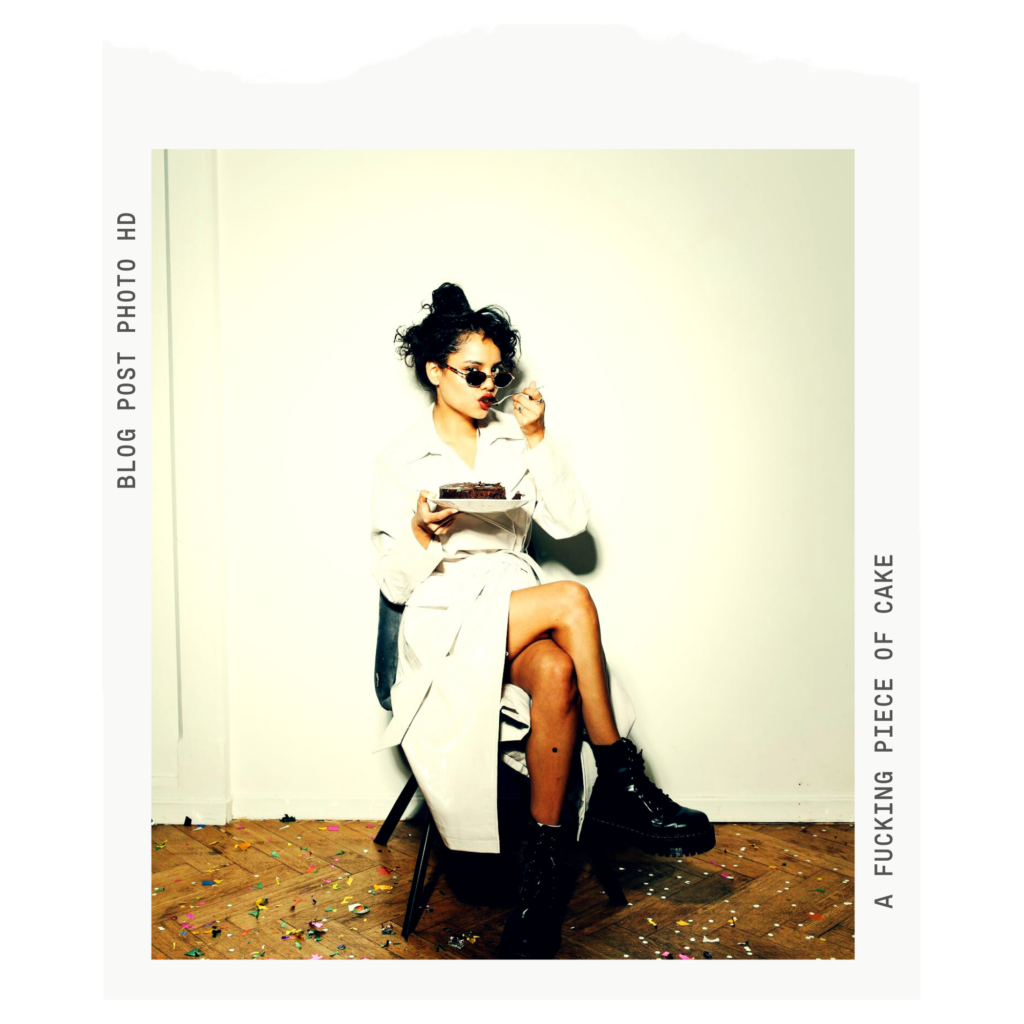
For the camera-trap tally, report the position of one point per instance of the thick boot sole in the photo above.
(699, 841)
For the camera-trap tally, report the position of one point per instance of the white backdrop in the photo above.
(690, 315)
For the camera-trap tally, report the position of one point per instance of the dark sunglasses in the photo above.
(475, 378)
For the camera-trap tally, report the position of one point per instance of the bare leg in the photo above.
(546, 673)
(565, 613)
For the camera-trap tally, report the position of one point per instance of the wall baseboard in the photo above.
(759, 811)
(174, 810)
(268, 808)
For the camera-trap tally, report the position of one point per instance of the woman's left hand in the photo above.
(528, 409)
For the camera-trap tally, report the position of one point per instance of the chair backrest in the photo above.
(389, 620)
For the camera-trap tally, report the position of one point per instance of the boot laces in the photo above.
(657, 798)
(538, 872)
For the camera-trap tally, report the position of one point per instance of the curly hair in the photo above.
(443, 329)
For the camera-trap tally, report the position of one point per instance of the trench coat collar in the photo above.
(421, 438)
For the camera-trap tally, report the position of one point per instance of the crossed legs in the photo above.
(554, 646)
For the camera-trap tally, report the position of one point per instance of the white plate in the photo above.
(479, 505)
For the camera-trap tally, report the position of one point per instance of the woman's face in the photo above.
(475, 353)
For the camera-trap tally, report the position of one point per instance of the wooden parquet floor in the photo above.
(271, 890)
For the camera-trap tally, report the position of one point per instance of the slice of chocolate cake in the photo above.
(469, 490)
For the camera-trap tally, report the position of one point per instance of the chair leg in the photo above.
(412, 907)
(396, 812)
(603, 868)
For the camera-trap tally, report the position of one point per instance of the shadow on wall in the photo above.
(578, 554)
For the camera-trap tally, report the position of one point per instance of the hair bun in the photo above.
(449, 321)
(449, 299)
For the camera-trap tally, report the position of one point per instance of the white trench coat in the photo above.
(453, 717)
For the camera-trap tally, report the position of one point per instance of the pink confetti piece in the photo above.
(683, 956)
(332, 828)
(723, 874)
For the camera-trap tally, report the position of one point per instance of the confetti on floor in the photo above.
(210, 927)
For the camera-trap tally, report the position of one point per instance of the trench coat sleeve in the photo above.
(562, 507)
(401, 564)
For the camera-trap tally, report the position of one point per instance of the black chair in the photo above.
(388, 624)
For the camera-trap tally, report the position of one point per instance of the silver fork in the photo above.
(512, 395)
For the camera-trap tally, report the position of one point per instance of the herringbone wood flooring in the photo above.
(767, 891)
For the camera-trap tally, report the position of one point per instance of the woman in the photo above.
(489, 654)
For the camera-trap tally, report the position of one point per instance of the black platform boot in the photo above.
(533, 930)
(629, 807)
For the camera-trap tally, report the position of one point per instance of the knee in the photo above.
(575, 603)
(558, 682)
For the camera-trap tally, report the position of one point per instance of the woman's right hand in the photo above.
(427, 524)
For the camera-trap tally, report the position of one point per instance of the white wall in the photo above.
(691, 317)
